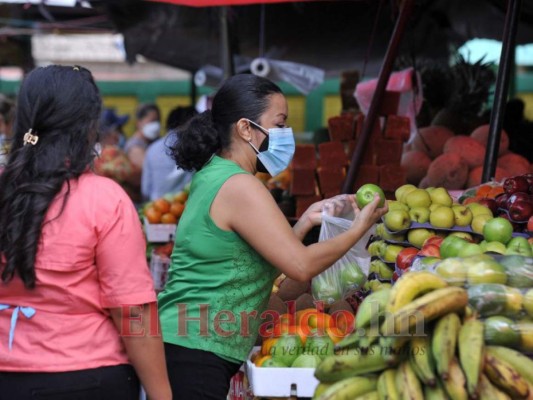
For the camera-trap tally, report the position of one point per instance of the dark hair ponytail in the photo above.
(61, 105)
(209, 133)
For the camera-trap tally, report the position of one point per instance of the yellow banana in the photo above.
(371, 336)
(358, 362)
(454, 386)
(521, 363)
(418, 313)
(422, 360)
(471, 357)
(487, 391)
(368, 396)
(349, 388)
(371, 308)
(387, 385)
(443, 342)
(412, 285)
(505, 377)
(434, 393)
(407, 383)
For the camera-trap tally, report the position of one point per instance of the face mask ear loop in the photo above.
(258, 126)
(253, 147)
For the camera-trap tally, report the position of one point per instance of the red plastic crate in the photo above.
(303, 203)
(304, 157)
(389, 151)
(397, 127)
(391, 177)
(303, 182)
(342, 128)
(332, 154)
(330, 180)
(366, 174)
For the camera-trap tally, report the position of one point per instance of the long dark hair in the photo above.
(61, 106)
(208, 133)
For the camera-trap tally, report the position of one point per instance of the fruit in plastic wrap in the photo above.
(499, 331)
(519, 270)
(351, 276)
(483, 268)
(453, 270)
(494, 299)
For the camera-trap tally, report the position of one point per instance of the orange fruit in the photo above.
(162, 205)
(335, 334)
(267, 345)
(483, 190)
(259, 362)
(342, 319)
(495, 191)
(181, 197)
(153, 215)
(176, 208)
(168, 218)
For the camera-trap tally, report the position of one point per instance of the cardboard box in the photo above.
(159, 233)
(280, 382)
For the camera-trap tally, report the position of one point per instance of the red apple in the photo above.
(516, 226)
(405, 257)
(518, 196)
(430, 250)
(521, 210)
(436, 240)
(530, 224)
(489, 203)
(515, 184)
(501, 201)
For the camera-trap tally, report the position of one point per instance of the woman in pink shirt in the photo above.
(77, 305)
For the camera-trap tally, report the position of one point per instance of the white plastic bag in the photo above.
(351, 270)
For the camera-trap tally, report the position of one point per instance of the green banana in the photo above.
(434, 393)
(454, 386)
(337, 367)
(422, 360)
(504, 376)
(407, 383)
(394, 348)
(349, 341)
(522, 364)
(320, 388)
(349, 388)
(368, 396)
(412, 285)
(487, 391)
(444, 341)
(387, 385)
(371, 336)
(471, 353)
(424, 309)
(371, 308)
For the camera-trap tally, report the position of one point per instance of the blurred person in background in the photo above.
(111, 160)
(77, 308)
(6, 119)
(160, 175)
(148, 127)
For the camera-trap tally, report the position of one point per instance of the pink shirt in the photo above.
(91, 258)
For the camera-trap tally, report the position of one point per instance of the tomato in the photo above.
(405, 257)
(162, 205)
(153, 215)
(181, 197)
(168, 218)
(436, 240)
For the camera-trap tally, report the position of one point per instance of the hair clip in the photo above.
(31, 139)
(76, 68)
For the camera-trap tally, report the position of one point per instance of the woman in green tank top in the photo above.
(232, 239)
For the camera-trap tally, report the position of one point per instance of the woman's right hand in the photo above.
(370, 214)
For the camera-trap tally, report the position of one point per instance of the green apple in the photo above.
(463, 235)
(366, 193)
(482, 268)
(499, 331)
(395, 205)
(419, 214)
(519, 270)
(528, 302)
(381, 269)
(376, 248)
(418, 236)
(320, 345)
(498, 229)
(433, 207)
(397, 220)
(479, 209)
(470, 249)
(441, 196)
(453, 271)
(287, 348)
(306, 360)
(352, 276)
(442, 217)
(519, 246)
(417, 198)
(463, 215)
(494, 247)
(451, 245)
(479, 221)
(399, 193)
(391, 252)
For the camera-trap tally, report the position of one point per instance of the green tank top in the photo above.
(218, 286)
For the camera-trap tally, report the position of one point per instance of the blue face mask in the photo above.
(276, 151)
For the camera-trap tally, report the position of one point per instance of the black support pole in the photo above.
(502, 87)
(228, 66)
(384, 75)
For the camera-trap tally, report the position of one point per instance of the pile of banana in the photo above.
(421, 340)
